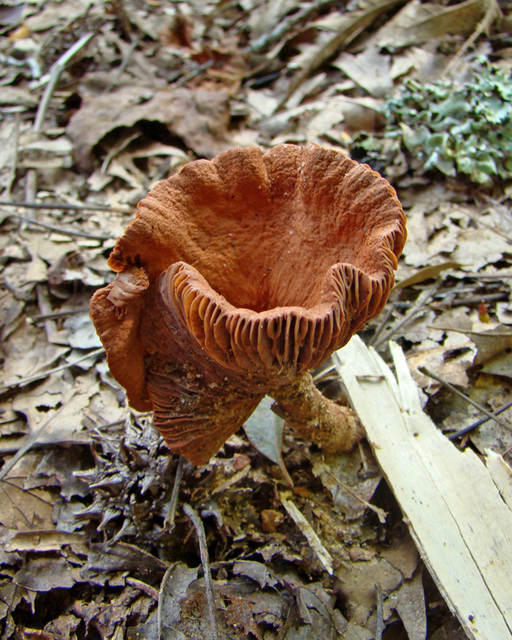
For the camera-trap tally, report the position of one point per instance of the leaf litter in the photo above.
(298, 545)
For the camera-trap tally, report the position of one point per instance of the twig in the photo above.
(173, 503)
(34, 437)
(305, 527)
(380, 513)
(382, 324)
(492, 13)
(54, 73)
(380, 612)
(364, 461)
(31, 63)
(478, 423)
(194, 73)
(410, 315)
(417, 308)
(450, 386)
(323, 373)
(65, 206)
(124, 63)
(51, 227)
(286, 25)
(44, 374)
(60, 314)
(31, 185)
(43, 302)
(475, 300)
(203, 550)
(116, 149)
(145, 588)
(342, 37)
(98, 430)
(16, 148)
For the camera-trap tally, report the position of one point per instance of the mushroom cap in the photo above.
(270, 262)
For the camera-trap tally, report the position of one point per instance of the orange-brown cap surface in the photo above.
(239, 274)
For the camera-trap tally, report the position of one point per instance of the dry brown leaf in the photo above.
(351, 490)
(453, 370)
(427, 273)
(53, 14)
(318, 549)
(499, 365)
(402, 555)
(369, 69)
(41, 403)
(476, 248)
(343, 29)
(17, 96)
(199, 117)
(360, 579)
(417, 23)
(45, 574)
(25, 510)
(28, 353)
(411, 607)
(491, 343)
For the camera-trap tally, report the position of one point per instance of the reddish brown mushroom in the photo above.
(237, 277)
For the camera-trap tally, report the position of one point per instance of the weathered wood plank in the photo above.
(456, 515)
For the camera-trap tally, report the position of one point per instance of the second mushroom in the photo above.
(237, 277)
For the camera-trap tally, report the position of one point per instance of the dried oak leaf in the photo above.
(199, 117)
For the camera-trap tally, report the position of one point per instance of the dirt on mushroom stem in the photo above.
(315, 418)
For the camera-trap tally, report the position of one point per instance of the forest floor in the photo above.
(98, 101)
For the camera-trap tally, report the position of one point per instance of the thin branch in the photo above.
(380, 612)
(286, 24)
(124, 63)
(145, 588)
(173, 503)
(60, 314)
(380, 513)
(478, 423)
(31, 440)
(31, 63)
(418, 307)
(478, 406)
(492, 13)
(474, 300)
(382, 324)
(31, 185)
(44, 374)
(203, 550)
(52, 227)
(16, 152)
(65, 206)
(54, 73)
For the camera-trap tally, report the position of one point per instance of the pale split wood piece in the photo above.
(323, 556)
(454, 510)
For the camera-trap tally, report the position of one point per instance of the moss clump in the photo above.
(456, 128)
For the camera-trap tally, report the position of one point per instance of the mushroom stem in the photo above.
(314, 417)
